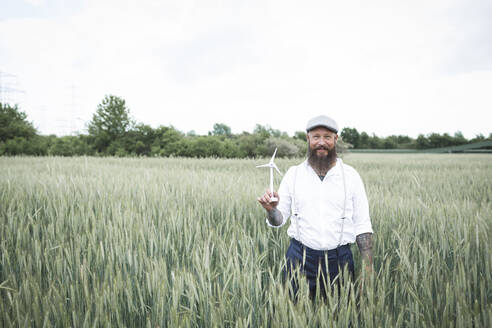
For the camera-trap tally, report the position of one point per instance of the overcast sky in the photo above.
(384, 67)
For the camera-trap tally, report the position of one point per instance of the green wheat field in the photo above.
(173, 242)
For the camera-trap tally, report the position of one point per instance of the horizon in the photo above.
(191, 131)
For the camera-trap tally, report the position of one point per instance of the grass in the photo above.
(88, 242)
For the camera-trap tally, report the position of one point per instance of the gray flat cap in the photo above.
(323, 121)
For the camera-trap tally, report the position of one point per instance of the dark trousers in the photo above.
(313, 265)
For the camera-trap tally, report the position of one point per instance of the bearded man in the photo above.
(328, 207)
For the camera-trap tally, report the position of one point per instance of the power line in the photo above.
(8, 88)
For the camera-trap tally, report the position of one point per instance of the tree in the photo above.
(390, 142)
(221, 129)
(480, 137)
(375, 142)
(166, 139)
(62, 146)
(363, 140)
(110, 122)
(300, 135)
(14, 124)
(437, 141)
(139, 140)
(249, 144)
(422, 142)
(351, 135)
(230, 148)
(285, 147)
(459, 139)
(266, 131)
(404, 142)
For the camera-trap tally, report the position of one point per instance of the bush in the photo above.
(285, 147)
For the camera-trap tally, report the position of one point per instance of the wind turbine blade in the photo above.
(271, 161)
(264, 165)
(276, 168)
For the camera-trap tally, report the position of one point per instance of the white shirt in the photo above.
(319, 205)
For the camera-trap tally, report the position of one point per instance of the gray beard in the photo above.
(322, 164)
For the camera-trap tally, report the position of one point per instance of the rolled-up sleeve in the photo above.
(284, 205)
(361, 218)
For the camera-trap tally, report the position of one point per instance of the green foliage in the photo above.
(480, 137)
(364, 140)
(266, 131)
(14, 146)
(342, 146)
(165, 139)
(250, 145)
(436, 140)
(285, 147)
(14, 124)
(433, 140)
(112, 132)
(390, 143)
(110, 122)
(35, 146)
(422, 142)
(230, 149)
(221, 129)
(61, 147)
(459, 139)
(351, 136)
(300, 135)
(375, 142)
(202, 146)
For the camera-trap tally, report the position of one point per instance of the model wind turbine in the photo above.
(272, 166)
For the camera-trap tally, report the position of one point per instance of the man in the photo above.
(329, 209)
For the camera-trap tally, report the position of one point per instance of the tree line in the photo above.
(112, 132)
(363, 140)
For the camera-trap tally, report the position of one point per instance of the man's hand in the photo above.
(266, 202)
(274, 216)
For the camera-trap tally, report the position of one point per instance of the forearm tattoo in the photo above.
(364, 241)
(275, 217)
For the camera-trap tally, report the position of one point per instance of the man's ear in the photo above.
(336, 138)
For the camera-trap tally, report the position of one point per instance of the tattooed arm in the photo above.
(275, 217)
(364, 241)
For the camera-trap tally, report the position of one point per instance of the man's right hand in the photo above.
(266, 200)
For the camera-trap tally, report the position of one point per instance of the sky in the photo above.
(386, 67)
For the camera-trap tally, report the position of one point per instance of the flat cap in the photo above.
(323, 121)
